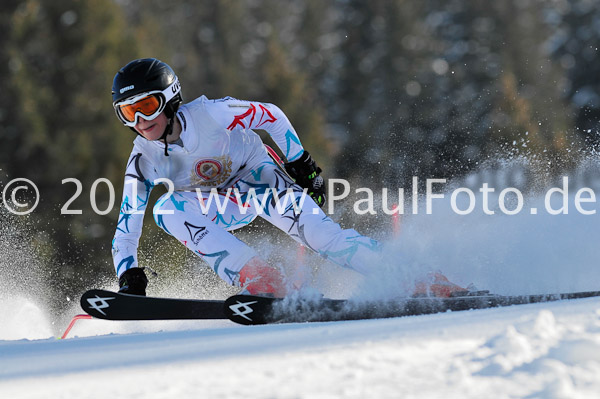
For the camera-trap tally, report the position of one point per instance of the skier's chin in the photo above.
(152, 132)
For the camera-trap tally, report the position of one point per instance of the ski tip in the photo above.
(94, 302)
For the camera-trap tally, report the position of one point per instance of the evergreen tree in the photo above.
(58, 124)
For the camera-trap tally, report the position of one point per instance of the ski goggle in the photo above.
(147, 105)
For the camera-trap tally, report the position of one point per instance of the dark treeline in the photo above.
(379, 91)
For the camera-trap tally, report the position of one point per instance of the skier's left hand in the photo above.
(305, 172)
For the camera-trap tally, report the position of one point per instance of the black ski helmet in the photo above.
(145, 75)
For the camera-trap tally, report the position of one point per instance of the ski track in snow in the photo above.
(531, 351)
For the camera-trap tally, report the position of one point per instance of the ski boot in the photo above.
(437, 285)
(258, 278)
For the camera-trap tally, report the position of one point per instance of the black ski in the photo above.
(114, 306)
(247, 309)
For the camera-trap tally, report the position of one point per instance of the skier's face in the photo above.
(154, 129)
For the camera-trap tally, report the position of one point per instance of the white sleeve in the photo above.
(139, 178)
(232, 113)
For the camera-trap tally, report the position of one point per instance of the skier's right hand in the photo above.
(133, 281)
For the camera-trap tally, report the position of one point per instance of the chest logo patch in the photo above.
(211, 172)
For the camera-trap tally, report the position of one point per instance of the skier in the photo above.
(206, 147)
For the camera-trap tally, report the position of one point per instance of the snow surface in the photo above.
(530, 351)
(547, 350)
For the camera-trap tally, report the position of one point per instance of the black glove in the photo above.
(133, 281)
(306, 174)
